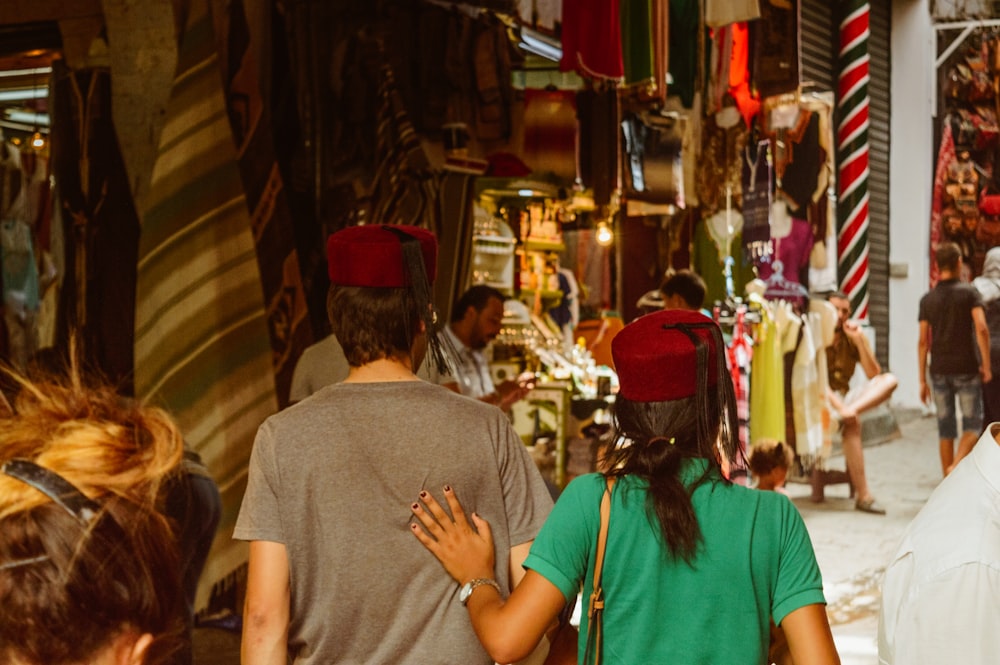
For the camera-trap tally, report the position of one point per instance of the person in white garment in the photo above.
(941, 591)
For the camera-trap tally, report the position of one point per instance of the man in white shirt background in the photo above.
(941, 592)
(476, 320)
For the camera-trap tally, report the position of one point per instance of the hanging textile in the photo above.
(809, 384)
(270, 215)
(20, 291)
(597, 113)
(719, 13)
(757, 183)
(661, 48)
(685, 40)
(591, 39)
(712, 246)
(776, 47)
(719, 174)
(767, 372)
(636, 17)
(542, 15)
(852, 156)
(946, 154)
(492, 68)
(550, 131)
(792, 249)
(823, 211)
(98, 294)
(739, 355)
(798, 157)
(720, 58)
(747, 99)
(654, 167)
(202, 347)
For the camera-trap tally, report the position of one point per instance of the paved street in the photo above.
(852, 547)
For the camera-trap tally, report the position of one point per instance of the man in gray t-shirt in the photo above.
(334, 574)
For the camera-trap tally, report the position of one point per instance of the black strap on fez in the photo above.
(54, 486)
(725, 393)
(413, 262)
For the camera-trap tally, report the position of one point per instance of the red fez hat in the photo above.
(656, 356)
(373, 255)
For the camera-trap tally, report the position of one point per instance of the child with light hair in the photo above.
(769, 462)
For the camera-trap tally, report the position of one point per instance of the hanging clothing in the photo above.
(739, 355)
(708, 257)
(756, 182)
(654, 169)
(685, 32)
(591, 39)
(793, 252)
(946, 154)
(808, 394)
(722, 12)
(818, 444)
(720, 168)
(540, 14)
(636, 18)
(767, 389)
(550, 131)
(747, 99)
(776, 47)
(597, 114)
(798, 157)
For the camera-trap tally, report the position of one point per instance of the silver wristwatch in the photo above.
(470, 586)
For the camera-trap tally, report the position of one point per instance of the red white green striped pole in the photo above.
(852, 155)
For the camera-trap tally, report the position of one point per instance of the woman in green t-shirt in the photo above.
(695, 566)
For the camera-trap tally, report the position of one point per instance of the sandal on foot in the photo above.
(870, 505)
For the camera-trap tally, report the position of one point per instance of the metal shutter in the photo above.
(819, 43)
(878, 181)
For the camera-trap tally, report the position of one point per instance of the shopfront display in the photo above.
(964, 206)
(518, 247)
(568, 172)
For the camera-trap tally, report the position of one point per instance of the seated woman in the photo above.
(88, 567)
(695, 567)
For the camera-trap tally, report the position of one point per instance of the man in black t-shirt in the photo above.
(953, 328)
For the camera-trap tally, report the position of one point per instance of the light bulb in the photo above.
(604, 234)
(38, 141)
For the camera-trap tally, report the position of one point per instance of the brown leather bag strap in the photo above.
(602, 535)
(595, 608)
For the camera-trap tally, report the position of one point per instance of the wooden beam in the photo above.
(13, 12)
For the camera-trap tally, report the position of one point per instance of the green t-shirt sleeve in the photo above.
(799, 580)
(562, 551)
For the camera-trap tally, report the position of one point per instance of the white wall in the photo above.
(911, 163)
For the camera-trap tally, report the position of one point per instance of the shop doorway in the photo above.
(30, 247)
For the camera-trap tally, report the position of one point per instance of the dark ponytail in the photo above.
(653, 439)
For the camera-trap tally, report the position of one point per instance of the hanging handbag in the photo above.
(595, 607)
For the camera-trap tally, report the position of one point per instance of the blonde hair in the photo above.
(67, 589)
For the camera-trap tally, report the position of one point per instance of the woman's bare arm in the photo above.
(807, 630)
(508, 630)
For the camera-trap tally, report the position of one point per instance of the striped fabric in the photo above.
(271, 217)
(404, 187)
(201, 342)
